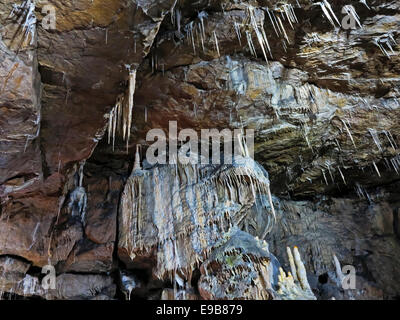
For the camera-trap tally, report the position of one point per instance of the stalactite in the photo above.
(272, 22)
(349, 133)
(189, 31)
(327, 10)
(364, 2)
(375, 138)
(362, 193)
(250, 44)
(114, 120)
(329, 166)
(390, 139)
(376, 168)
(283, 30)
(290, 14)
(389, 41)
(216, 43)
(202, 16)
(236, 27)
(341, 174)
(131, 92)
(261, 39)
(120, 116)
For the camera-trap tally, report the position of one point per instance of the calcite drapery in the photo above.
(180, 211)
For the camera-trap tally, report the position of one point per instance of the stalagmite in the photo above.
(301, 270)
(291, 288)
(291, 262)
(136, 165)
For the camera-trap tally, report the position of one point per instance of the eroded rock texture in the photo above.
(323, 100)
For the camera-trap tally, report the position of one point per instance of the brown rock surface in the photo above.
(325, 109)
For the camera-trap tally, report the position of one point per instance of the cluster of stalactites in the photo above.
(24, 15)
(349, 10)
(386, 43)
(120, 117)
(213, 200)
(285, 12)
(197, 37)
(328, 12)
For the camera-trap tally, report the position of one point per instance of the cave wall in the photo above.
(324, 107)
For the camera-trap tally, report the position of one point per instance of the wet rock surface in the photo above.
(324, 107)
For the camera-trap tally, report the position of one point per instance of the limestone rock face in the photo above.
(323, 100)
